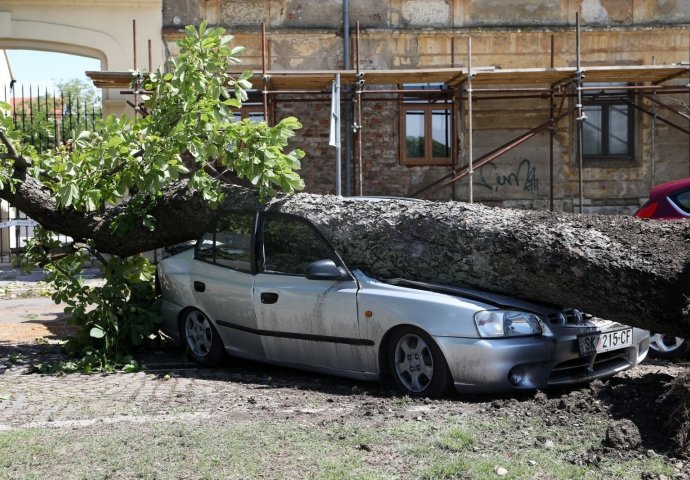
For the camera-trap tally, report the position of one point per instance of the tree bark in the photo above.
(621, 268)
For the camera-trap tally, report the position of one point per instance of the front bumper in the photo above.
(528, 363)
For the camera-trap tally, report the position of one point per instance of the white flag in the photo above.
(334, 138)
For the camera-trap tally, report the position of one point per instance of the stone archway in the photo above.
(103, 30)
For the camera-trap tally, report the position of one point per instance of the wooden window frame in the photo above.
(606, 104)
(428, 107)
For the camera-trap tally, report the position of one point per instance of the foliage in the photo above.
(48, 117)
(79, 92)
(113, 319)
(189, 132)
(12, 134)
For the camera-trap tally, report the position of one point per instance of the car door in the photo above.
(223, 278)
(304, 322)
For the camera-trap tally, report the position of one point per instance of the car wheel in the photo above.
(201, 338)
(417, 364)
(667, 346)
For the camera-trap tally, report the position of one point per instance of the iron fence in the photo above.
(47, 119)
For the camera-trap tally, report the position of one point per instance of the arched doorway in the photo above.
(120, 34)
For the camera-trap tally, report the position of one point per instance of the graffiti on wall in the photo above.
(523, 178)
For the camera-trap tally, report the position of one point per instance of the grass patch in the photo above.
(456, 440)
(252, 447)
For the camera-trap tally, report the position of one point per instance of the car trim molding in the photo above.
(298, 336)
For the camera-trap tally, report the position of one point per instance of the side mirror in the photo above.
(326, 270)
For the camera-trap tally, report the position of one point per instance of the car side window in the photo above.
(682, 199)
(204, 247)
(230, 244)
(291, 244)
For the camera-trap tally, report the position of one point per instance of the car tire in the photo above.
(201, 339)
(416, 364)
(667, 346)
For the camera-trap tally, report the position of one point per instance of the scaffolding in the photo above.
(463, 87)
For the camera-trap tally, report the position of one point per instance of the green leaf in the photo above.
(232, 102)
(97, 332)
(115, 141)
(67, 194)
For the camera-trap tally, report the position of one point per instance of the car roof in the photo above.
(667, 188)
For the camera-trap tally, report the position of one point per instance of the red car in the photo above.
(668, 201)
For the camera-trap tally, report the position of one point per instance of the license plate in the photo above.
(604, 342)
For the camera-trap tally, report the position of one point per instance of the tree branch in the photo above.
(20, 163)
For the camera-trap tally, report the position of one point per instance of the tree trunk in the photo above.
(621, 268)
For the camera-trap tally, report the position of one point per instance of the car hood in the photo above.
(496, 299)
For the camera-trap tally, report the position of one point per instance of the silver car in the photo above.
(270, 287)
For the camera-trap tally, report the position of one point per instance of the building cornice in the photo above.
(85, 3)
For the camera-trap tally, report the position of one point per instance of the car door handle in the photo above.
(269, 297)
(199, 286)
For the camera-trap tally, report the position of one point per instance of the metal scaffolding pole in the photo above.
(358, 126)
(552, 132)
(470, 170)
(652, 146)
(264, 77)
(579, 76)
(348, 105)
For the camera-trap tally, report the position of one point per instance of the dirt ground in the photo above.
(326, 427)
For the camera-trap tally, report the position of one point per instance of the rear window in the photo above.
(682, 200)
(229, 244)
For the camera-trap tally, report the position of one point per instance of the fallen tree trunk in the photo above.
(621, 268)
(625, 269)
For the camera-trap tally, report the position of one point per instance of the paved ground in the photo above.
(27, 313)
(17, 283)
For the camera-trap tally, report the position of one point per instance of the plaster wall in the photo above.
(101, 29)
(5, 73)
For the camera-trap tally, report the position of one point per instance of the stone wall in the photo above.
(403, 14)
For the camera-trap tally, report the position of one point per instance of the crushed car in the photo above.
(270, 287)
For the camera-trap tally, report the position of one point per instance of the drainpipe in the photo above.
(348, 105)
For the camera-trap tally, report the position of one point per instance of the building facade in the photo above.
(630, 140)
(417, 117)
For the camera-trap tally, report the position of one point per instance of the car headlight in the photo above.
(507, 323)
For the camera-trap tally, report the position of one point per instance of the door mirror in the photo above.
(326, 270)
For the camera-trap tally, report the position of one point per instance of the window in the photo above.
(291, 244)
(426, 127)
(682, 200)
(204, 247)
(254, 111)
(230, 244)
(609, 129)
